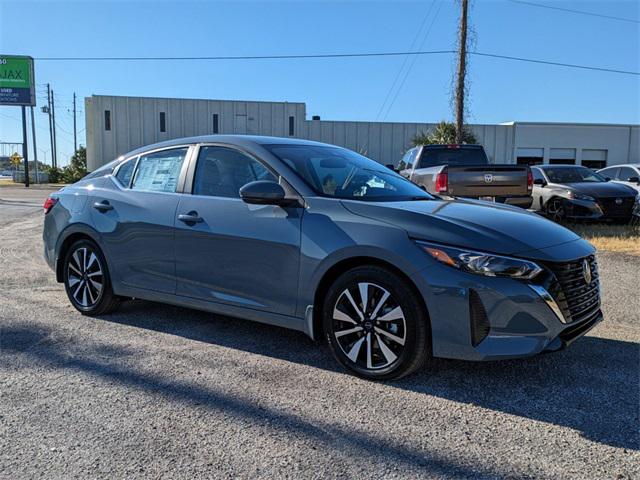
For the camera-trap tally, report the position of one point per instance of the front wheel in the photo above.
(86, 279)
(555, 210)
(375, 324)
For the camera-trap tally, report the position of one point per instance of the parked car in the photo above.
(465, 171)
(577, 192)
(320, 239)
(627, 174)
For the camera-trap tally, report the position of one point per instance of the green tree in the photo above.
(54, 173)
(77, 167)
(443, 134)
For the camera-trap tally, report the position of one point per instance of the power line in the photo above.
(404, 62)
(558, 64)
(244, 57)
(339, 55)
(580, 12)
(413, 62)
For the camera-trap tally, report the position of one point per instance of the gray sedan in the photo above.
(319, 239)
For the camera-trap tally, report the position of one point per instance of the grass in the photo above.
(611, 238)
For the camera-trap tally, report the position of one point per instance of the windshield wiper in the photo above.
(414, 199)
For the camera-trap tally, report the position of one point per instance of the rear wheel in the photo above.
(86, 279)
(375, 324)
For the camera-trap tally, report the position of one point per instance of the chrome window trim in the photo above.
(549, 300)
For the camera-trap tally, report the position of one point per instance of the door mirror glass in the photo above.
(264, 192)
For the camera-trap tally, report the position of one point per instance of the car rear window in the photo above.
(432, 157)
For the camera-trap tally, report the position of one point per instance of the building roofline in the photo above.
(93, 95)
(571, 124)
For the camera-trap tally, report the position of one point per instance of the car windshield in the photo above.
(573, 175)
(432, 157)
(340, 173)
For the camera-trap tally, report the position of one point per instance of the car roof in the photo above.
(453, 146)
(239, 140)
(561, 165)
(636, 165)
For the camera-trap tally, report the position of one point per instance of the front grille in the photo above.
(612, 209)
(577, 299)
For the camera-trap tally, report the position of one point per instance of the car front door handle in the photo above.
(191, 217)
(103, 206)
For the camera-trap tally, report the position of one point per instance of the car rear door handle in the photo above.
(103, 206)
(191, 217)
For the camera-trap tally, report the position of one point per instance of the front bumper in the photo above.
(602, 209)
(520, 322)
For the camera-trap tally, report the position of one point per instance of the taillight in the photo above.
(49, 203)
(442, 182)
(529, 180)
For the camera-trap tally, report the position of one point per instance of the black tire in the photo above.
(371, 359)
(84, 268)
(555, 210)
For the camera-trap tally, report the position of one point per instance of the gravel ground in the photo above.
(157, 391)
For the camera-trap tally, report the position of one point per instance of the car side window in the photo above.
(625, 174)
(610, 173)
(537, 174)
(159, 171)
(221, 172)
(407, 160)
(125, 172)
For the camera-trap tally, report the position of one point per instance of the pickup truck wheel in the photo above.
(375, 324)
(555, 210)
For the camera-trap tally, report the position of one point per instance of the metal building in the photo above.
(116, 125)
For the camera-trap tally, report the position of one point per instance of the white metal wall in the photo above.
(135, 122)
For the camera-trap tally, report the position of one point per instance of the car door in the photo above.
(134, 213)
(231, 252)
(538, 192)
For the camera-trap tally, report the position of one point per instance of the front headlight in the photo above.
(488, 264)
(580, 196)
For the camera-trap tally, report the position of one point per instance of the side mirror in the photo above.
(390, 167)
(539, 181)
(635, 180)
(265, 192)
(607, 179)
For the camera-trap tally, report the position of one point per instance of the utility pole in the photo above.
(35, 147)
(25, 152)
(50, 124)
(54, 152)
(75, 133)
(462, 66)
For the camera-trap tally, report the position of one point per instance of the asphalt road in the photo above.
(156, 392)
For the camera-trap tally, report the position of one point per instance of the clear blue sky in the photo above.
(342, 89)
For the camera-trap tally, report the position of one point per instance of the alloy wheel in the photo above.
(369, 326)
(85, 277)
(555, 210)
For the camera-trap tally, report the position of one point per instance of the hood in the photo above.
(472, 224)
(602, 189)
